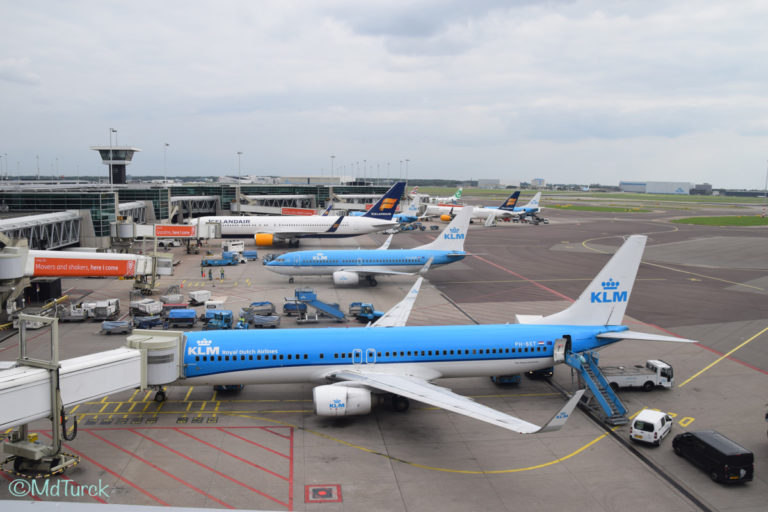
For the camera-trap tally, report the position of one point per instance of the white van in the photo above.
(650, 427)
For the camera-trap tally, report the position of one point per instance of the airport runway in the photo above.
(264, 449)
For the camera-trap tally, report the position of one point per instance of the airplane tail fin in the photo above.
(452, 237)
(327, 210)
(457, 195)
(386, 206)
(604, 301)
(510, 202)
(534, 202)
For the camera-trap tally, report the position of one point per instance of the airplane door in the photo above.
(359, 261)
(357, 357)
(370, 356)
(559, 350)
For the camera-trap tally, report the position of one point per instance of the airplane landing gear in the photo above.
(372, 281)
(160, 396)
(400, 403)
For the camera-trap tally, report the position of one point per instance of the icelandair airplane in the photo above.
(409, 214)
(348, 266)
(531, 208)
(350, 365)
(505, 210)
(267, 230)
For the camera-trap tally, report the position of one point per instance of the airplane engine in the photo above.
(336, 400)
(264, 239)
(344, 278)
(446, 218)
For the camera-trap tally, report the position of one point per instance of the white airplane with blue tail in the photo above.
(352, 365)
(348, 266)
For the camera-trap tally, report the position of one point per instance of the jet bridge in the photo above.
(44, 231)
(34, 389)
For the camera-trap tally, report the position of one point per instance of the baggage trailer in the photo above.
(181, 318)
(199, 297)
(116, 327)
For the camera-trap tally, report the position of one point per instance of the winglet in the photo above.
(398, 315)
(426, 266)
(559, 419)
(386, 243)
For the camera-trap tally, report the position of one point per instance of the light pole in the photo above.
(239, 154)
(111, 131)
(332, 157)
(165, 167)
(406, 170)
(1, 167)
(37, 159)
(365, 170)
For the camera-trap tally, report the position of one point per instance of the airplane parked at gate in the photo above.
(348, 266)
(267, 230)
(408, 214)
(350, 365)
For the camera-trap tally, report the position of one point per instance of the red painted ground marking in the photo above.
(166, 473)
(255, 443)
(269, 429)
(190, 459)
(65, 477)
(119, 477)
(246, 461)
(11, 479)
(290, 475)
(308, 489)
(523, 278)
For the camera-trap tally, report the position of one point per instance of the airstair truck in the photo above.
(655, 373)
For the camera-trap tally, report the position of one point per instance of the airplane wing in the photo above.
(643, 336)
(398, 315)
(385, 245)
(421, 390)
(364, 271)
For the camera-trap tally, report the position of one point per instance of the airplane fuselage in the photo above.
(327, 262)
(296, 356)
(300, 226)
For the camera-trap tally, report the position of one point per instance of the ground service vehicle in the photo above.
(181, 318)
(146, 307)
(265, 321)
(364, 312)
(232, 246)
(147, 322)
(116, 327)
(251, 255)
(103, 309)
(650, 426)
(199, 297)
(168, 242)
(655, 373)
(218, 319)
(724, 460)
(219, 261)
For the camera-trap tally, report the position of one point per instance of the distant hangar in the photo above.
(657, 187)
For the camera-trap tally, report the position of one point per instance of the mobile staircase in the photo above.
(608, 406)
(308, 296)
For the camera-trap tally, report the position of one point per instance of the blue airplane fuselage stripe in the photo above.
(218, 352)
(366, 258)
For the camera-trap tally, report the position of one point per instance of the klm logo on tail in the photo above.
(453, 234)
(609, 294)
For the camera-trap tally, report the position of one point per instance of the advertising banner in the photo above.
(297, 211)
(175, 231)
(83, 267)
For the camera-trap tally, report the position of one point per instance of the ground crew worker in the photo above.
(222, 274)
(210, 274)
(202, 272)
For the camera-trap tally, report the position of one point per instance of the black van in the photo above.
(724, 460)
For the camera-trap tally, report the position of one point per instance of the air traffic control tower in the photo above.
(116, 157)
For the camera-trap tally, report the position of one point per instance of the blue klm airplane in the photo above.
(350, 365)
(346, 266)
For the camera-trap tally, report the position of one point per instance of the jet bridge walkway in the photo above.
(609, 407)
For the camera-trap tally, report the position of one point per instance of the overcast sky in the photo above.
(573, 92)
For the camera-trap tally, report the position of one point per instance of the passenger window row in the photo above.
(402, 353)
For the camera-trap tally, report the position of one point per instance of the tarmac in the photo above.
(263, 448)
